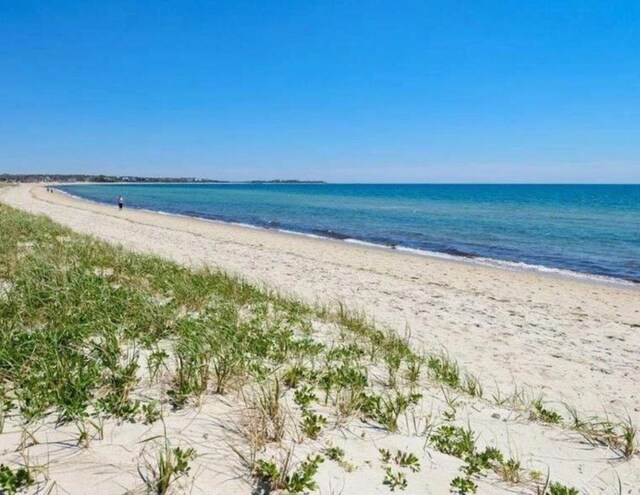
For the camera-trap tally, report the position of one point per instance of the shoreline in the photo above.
(511, 266)
(574, 340)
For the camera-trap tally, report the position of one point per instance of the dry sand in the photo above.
(575, 341)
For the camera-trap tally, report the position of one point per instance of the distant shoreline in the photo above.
(125, 179)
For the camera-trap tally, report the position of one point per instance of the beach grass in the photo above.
(92, 333)
(86, 323)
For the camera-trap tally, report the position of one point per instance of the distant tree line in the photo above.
(92, 178)
(127, 178)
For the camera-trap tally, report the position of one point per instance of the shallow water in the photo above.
(590, 229)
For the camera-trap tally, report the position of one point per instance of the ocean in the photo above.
(583, 230)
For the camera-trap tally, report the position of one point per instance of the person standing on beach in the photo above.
(120, 202)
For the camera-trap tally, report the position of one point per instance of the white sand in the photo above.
(575, 341)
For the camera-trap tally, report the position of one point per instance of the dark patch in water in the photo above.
(457, 252)
(330, 233)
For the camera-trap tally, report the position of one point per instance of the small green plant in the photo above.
(560, 489)
(629, 433)
(302, 479)
(268, 473)
(463, 486)
(345, 353)
(414, 369)
(124, 409)
(334, 453)
(478, 462)
(393, 360)
(294, 376)
(279, 478)
(312, 424)
(385, 455)
(304, 397)
(155, 361)
(269, 408)
(151, 413)
(390, 408)
(460, 442)
(472, 385)
(395, 479)
(346, 383)
(407, 460)
(227, 361)
(14, 480)
(453, 440)
(543, 414)
(444, 370)
(171, 464)
(452, 403)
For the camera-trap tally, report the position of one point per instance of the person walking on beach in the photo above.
(120, 202)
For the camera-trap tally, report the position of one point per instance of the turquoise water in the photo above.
(590, 229)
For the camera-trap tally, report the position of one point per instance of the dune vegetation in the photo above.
(101, 346)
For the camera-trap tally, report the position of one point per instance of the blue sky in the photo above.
(425, 91)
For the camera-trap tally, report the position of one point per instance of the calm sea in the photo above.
(589, 229)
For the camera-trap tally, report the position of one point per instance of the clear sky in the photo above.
(424, 91)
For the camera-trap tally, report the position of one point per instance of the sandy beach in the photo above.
(573, 341)
(576, 341)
